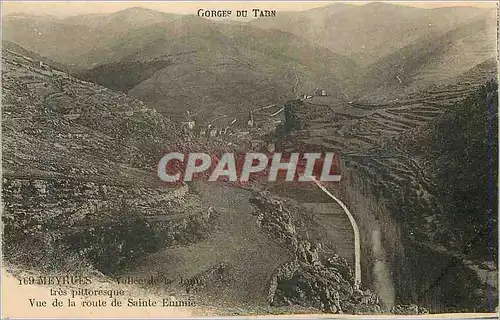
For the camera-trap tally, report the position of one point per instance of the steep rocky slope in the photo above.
(80, 195)
(415, 180)
(315, 277)
(78, 159)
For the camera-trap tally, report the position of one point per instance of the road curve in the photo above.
(357, 241)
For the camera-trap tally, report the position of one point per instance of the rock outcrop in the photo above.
(78, 170)
(311, 279)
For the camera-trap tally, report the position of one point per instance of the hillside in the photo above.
(67, 109)
(80, 195)
(426, 176)
(34, 56)
(419, 159)
(185, 62)
(188, 63)
(368, 32)
(408, 103)
(355, 128)
(432, 60)
(64, 39)
(219, 68)
(79, 159)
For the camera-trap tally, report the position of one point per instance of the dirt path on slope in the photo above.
(247, 253)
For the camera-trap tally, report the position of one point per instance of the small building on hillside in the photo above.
(250, 121)
(256, 144)
(189, 123)
(305, 97)
(320, 92)
(213, 133)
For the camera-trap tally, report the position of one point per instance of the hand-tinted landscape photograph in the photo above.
(405, 94)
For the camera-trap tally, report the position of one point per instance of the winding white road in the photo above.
(357, 241)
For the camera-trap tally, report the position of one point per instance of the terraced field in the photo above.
(400, 151)
(426, 175)
(361, 134)
(353, 128)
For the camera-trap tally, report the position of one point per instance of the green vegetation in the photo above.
(112, 239)
(124, 75)
(291, 119)
(449, 223)
(466, 141)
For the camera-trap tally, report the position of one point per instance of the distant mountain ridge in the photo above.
(433, 59)
(193, 63)
(63, 39)
(373, 52)
(371, 31)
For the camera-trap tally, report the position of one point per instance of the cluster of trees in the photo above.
(124, 75)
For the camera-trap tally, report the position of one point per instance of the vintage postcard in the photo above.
(243, 159)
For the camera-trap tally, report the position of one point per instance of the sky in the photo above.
(68, 8)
